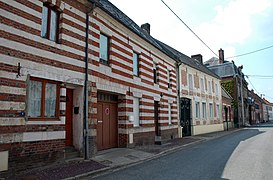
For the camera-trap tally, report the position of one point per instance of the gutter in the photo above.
(178, 63)
(85, 125)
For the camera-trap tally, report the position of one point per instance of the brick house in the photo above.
(232, 76)
(227, 109)
(80, 74)
(267, 110)
(200, 97)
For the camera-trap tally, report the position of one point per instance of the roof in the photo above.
(227, 69)
(225, 93)
(118, 15)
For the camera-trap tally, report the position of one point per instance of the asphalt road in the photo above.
(246, 154)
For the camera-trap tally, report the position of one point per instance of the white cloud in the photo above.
(232, 25)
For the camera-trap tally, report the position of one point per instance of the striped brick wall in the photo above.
(63, 62)
(117, 77)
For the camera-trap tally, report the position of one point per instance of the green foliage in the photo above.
(228, 85)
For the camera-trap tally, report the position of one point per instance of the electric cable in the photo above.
(189, 28)
(251, 52)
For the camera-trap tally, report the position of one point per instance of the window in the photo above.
(209, 87)
(104, 49)
(155, 74)
(135, 64)
(43, 99)
(216, 89)
(136, 111)
(204, 110)
(50, 23)
(170, 113)
(217, 110)
(190, 82)
(169, 78)
(197, 109)
(202, 85)
(210, 110)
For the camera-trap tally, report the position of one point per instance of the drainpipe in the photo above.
(178, 92)
(242, 96)
(86, 128)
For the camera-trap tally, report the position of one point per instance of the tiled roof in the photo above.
(117, 14)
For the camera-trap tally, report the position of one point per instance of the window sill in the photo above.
(43, 119)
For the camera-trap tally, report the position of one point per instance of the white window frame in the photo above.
(211, 110)
(136, 113)
(210, 87)
(217, 110)
(197, 109)
(204, 110)
(202, 85)
(190, 82)
(170, 113)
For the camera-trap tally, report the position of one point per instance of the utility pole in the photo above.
(242, 97)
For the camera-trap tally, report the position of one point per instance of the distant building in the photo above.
(227, 110)
(232, 77)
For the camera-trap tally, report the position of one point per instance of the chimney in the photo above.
(198, 57)
(221, 56)
(146, 27)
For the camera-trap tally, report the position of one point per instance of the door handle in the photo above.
(99, 121)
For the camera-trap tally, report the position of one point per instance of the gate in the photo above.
(185, 116)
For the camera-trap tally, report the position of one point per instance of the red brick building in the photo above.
(82, 75)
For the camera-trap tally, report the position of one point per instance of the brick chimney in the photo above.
(198, 57)
(146, 27)
(221, 56)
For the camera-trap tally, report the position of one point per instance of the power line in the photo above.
(252, 85)
(251, 52)
(260, 75)
(189, 28)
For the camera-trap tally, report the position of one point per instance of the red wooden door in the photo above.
(69, 118)
(107, 130)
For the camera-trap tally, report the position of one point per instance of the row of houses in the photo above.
(81, 74)
(251, 108)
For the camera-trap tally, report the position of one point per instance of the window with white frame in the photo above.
(169, 78)
(43, 99)
(170, 113)
(136, 111)
(216, 89)
(209, 87)
(104, 49)
(218, 110)
(135, 64)
(202, 85)
(155, 71)
(50, 22)
(204, 110)
(197, 109)
(210, 110)
(190, 82)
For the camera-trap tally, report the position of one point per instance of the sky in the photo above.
(236, 26)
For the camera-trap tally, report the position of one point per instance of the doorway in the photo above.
(107, 125)
(69, 118)
(185, 116)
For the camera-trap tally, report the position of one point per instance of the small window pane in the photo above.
(44, 21)
(50, 100)
(53, 25)
(136, 111)
(34, 99)
(135, 64)
(170, 113)
(103, 47)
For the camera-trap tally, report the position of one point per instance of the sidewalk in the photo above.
(114, 158)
